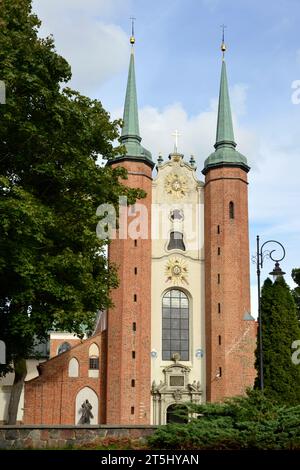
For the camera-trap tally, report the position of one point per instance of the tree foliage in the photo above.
(53, 270)
(280, 328)
(252, 422)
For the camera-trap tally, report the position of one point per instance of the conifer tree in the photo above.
(280, 328)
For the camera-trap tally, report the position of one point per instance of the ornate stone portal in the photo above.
(175, 389)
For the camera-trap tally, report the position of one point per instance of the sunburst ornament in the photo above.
(176, 271)
(176, 185)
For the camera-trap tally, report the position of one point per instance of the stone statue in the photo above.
(86, 413)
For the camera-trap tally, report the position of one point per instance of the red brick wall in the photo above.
(55, 343)
(50, 398)
(122, 340)
(235, 355)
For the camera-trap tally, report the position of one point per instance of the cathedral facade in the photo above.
(180, 330)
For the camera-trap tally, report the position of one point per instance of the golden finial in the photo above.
(132, 38)
(223, 45)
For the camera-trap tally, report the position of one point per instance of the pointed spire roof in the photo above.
(224, 125)
(130, 136)
(225, 153)
(130, 115)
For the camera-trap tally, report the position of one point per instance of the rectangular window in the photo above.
(94, 363)
(219, 278)
(133, 383)
(132, 410)
(219, 338)
(135, 298)
(135, 242)
(220, 372)
(133, 354)
(219, 307)
(135, 270)
(134, 326)
(219, 251)
(218, 229)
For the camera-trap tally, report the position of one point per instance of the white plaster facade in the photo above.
(177, 188)
(6, 385)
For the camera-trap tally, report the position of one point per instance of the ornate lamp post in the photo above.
(259, 259)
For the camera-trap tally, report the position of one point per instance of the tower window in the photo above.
(219, 251)
(219, 340)
(135, 270)
(133, 354)
(219, 307)
(219, 278)
(231, 210)
(220, 372)
(175, 325)
(218, 229)
(132, 410)
(135, 242)
(133, 383)
(176, 241)
(134, 326)
(135, 298)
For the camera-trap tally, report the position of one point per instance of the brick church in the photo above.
(180, 330)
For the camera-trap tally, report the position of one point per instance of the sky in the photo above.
(178, 63)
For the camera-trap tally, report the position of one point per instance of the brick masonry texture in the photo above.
(50, 398)
(127, 404)
(227, 285)
(42, 437)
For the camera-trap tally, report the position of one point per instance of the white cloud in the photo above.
(197, 132)
(96, 48)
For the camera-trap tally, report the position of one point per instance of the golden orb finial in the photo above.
(132, 38)
(223, 45)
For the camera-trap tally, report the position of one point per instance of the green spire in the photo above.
(130, 115)
(130, 137)
(225, 153)
(224, 126)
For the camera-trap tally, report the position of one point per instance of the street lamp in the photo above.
(260, 256)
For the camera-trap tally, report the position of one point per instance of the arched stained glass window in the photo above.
(175, 325)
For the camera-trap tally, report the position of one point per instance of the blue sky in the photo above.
(178, 63)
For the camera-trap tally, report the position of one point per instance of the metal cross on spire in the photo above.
(176, 135)
(223, 45)
(132, 38)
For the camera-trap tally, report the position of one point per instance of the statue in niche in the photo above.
(86, 413)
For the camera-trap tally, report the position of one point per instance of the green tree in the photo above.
(296, 291)
(280, 328)
(53, 269)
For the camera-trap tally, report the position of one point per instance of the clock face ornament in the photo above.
(176, 185)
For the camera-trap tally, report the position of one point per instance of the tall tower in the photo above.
(129, 321)
(230, 329)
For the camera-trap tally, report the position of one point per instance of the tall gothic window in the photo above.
(175, 325)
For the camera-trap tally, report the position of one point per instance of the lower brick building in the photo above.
(180, 329)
